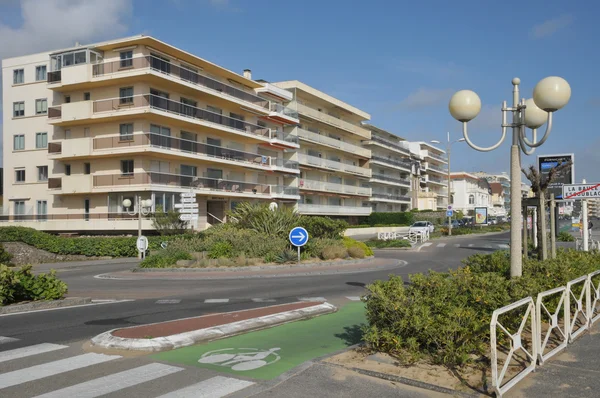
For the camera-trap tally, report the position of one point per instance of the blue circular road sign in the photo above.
(298, 236)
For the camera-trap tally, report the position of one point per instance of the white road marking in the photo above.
(66, 308)
(168, 301)
(4, 340)
(488, 247)
(456, 245)
(504, 246)
(312, 299)
(213, 301)
(441, 245)
(263, 300)
(426, 244)
(215, 387)
(52, 368)
(29, 351)
(115, 382)
(353, 298)
(471, 245)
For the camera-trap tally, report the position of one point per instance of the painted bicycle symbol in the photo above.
(241, 359)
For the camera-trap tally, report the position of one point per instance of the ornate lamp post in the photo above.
(143, 208)
(549, 95)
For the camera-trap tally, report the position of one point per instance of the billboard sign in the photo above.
(481, 215)
(565, 176)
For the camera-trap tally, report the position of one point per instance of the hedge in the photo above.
(399, 218)
(21, 285)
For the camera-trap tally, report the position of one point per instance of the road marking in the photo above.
(504, 246)
(441, 245)
(426, 244)
(488, 247)
(312, 299)
(52, 368)
(29, 351)
(4, 340)
(168, 301)
(456, 245)
(66, 308)
(263, 300)
(471, 245)
(216, 387)
(213, 301)
(115, 382)
(353, 298)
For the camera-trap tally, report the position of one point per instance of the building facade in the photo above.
(498, 200)
(431, 175)
(470, 191)
(391, 171)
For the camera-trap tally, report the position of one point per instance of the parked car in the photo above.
(455, 224)
(467, 222)
(422, 226)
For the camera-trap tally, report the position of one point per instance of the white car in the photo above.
(421, 226)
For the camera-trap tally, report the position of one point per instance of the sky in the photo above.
(399, 61)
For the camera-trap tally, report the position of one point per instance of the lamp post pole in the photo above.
(448, 148)
(549, 95)
(142, 208)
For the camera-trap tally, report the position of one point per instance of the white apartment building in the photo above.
(334, 167)
(87, 127)
(432, 174)
(390, 171)
(470, 191)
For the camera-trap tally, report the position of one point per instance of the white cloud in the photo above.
(551, 26)
(426, 98)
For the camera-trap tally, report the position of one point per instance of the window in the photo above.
(19, 142)
(67, 169)
(471, 199)
(42, 173)
(159, 99)
(18, 76)
(40, 73)
(236, 121)
(41, 140)
(126, 167)
(19, 207)
(87, 169)
(18, 109)
(126, 95)
(126, 132)
(160, 63)
(86, 96)
(42, 209)
(188, 107)
(67, 99)
(126, 59)
(20, 175)
(86, 131)
(41, 106)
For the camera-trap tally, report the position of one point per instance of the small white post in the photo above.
(534, 227)
(298, 254)
(584, 224)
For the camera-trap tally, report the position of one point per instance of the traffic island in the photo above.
(169, 335)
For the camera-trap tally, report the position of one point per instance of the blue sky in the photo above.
(398, 60)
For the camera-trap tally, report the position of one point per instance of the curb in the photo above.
(258, 267)
(79, 263)
(44, 305)
(471, 235)
(107, 340)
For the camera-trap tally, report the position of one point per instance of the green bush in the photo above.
(165, 258)
(221, 249)
(323, 227)
(350, 243)
(315, 247)
(356, 252)
(446, 316)
(258, 217)
(398, 218)
(333, 252)
(380, 244)
(18, 285)
(287, 256)
(5, 257)
(168, 223)
(565, 237)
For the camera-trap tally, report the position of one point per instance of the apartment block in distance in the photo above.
(390, 171)
(433, 176)
(334, 167)
(87, 127)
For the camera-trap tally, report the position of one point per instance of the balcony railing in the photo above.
(339, 123)
(279, 190)
(383, 177)
(437, 168)
(54, 77)
(284, 110)
(438, 180)
(185, 74)
(395, 145)
(388, 196)
(395, 162)
(288, 164)
(54, 183)
(332, 165)
(54, 112)
(307, 208)
(332, 142)
(436, 156)
(334, 187)
(66, 217)
(157, 102)
(54, 147)
(282, 136)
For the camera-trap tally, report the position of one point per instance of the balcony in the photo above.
(333, 165)
(392, 162)
(435, 156)
(331, 120)
(400, 146)
(285, 192)
(396, 180)
(54, 77)
(73, 184)
(310, 209)
(436, 180)
(331, 187)
(332, 143)
(436, 168)
(389, 197)
(283, 114)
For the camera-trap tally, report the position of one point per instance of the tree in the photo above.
(539, 186)
(168, 223)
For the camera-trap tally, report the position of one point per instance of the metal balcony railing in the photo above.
(54, 112)
(334, 187)
(395, 145)
(54, 77)
(390, 196)
(332, 142)
(330, 119)
(395, 162)
(308, 208)
(383, 177)
(436, 156)
(54, 147)
(280, 190)
(332, 165)
(284, 110)
(437, 168)
(54, 183)
(438, 180)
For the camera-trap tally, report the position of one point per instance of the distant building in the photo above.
(498, 200)
(470, 191)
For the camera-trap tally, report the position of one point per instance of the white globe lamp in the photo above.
(464, 105)
(534, 116)
(552, 93)
(127, 203)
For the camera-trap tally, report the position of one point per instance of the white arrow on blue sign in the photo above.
(449, 213)
(298, 236)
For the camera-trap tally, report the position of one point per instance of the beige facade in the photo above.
(432, 175)
(334, 167)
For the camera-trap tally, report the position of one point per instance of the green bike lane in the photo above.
(266, 354)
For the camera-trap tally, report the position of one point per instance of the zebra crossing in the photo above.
(441, 245)
(48, 370)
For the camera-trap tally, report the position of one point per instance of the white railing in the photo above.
(332, 142)
(594, 301)
(553, 322)
(333, 165)
(576, 326)
(339, 123)
(334, 187)
(308, 208)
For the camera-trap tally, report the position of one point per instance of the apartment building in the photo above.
(390, 171)
(87, 127)
(334, 167)
(498, 200)
(431, 171)
(470, 191)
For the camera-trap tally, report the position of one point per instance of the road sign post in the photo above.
(298, 237)
(188, 208)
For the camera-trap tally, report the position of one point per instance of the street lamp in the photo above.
(549, 95)
(144, 207)
(448, 147)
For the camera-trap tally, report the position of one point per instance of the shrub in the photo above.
(356, 252)
(168, 223)
(565, 237)
(380, 244)
(260, 218)
(398, 218)
(221, 249)
(287, 256)
(349, 243)
(21, 285)
(315, 247)
(248, 242)
(333, 252)
(5, 257)
(323, 227)
(165, 258)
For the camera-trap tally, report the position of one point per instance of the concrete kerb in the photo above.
(44, 305)
(107, 340)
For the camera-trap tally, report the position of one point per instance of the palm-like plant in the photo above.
(260, 218)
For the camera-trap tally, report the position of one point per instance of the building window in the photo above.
(18, 109)
(87, 169)
(40, 73)
(126, 132)
(126, 167)
(41, 106)
(86, 131)
(126, 95)
(19, 207)
(126, 59)
(67, 99)
(20, 175)
(18, 76)
(19, 142)
(42, 209)
(42, 173)
(86, 96)
(41, 140)
(67, 169)
(471, 199)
